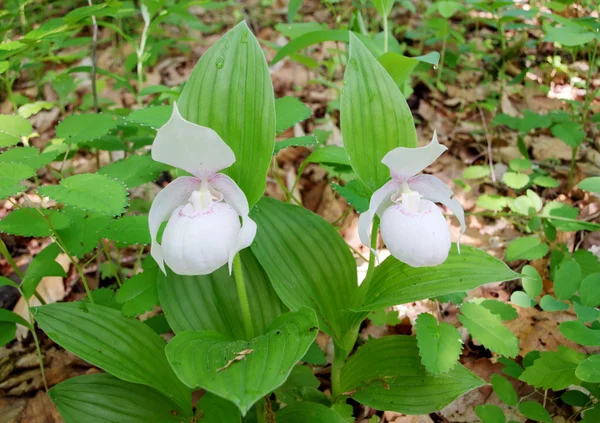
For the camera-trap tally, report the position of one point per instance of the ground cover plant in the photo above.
(303, 211)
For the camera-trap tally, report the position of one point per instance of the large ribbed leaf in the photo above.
(215, 409)
(386, 374)
(124, 347)
(309, 264)
(230, 91)
(239, 371)
(312, 412)
(395, 282)
(210, 302)
(102, 398)
(375, 117)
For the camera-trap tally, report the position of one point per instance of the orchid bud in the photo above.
(412, 226)
(208, 222)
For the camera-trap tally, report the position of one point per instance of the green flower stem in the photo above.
(339, 357)
(364, 286)
(243, 296)
(385, 34)
(36, 340)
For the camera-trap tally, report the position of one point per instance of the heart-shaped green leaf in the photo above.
(239, 371)
(230, 91)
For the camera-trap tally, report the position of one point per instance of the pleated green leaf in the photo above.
(124, 347)
(386, 374)
(215, 409)
(230, 91)
(210, 302)
(374, 115)
(309, 264)
(239, 371)
(312, 412)
(395, 282)
(102, 398)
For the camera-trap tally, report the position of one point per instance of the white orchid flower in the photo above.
(204, 230)
(412, 226)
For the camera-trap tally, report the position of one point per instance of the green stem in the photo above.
(140, 58)
(10, 260)
(243, 296)
(586, 106)
(364, 286)
(344, 214)
(441, 67)
(36, 341)
(9, 93)
(502, 52)
(336, 371)
(572, 167)
(385, 34)
(289, 195)
(111, 261)
(75, 263)
(94, 60)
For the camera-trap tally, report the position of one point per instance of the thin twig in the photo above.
(489, 144)
(94, 60)
(140, 52)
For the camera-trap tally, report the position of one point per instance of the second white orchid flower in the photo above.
(412, 226)
(204, 230)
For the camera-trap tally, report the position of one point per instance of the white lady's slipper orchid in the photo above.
(412, 226)
(204, 230)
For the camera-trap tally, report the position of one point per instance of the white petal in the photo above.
(434, 189)
(377, 200)
(194, 148)
(198, 242)
(172, 196)
(417, 239)
(235, 197)
(406, 162)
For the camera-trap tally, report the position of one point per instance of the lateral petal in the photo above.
(407, 162)
(235, 197)
(193, 148)
(166, 201)
(377, 199)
